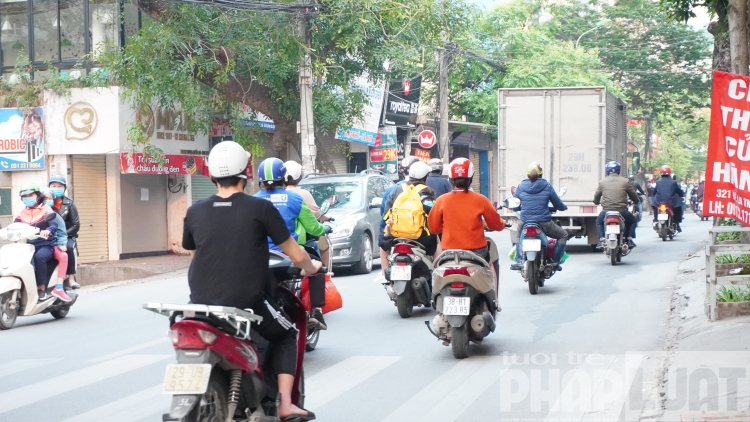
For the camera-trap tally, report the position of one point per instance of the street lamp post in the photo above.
(597, 26)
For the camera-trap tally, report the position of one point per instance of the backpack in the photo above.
(407, 213)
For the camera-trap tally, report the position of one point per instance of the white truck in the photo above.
(573, 132)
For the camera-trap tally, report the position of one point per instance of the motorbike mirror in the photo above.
(49, 217)
(513, 203)
(563, 191)
(325, 206)
(376, 202)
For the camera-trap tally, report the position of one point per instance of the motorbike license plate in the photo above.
(400, 273)
(613, 229)
(531, 245)
(663, 217)
(187, 379)
(455, 305)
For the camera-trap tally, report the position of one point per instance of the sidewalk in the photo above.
(705, 376)
(129, 269)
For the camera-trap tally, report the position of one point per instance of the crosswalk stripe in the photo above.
(21, 365)
(128, 409)
(73, 380)
(436, 391)
(457, 401)
(573, 403)
(130, 350)
(336, 380)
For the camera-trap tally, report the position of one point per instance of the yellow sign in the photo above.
(80, 121)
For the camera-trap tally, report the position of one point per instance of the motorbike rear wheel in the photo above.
(7, 316)
(403, 303)
(460, 341)
(532, 277)
(663, 232)
(613, 256)
(312, 340)
(213, 404)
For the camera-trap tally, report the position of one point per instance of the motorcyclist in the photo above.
(669, 192)
(33, 214)
(299, 220)
(418, 172)
(292, 178)
(435, 180)
(405, 164)
(612, 194)
(59, 250)
(700, 189)
(228, 232)
(638, 190)
(536, 194)
(460, 215)
(68, 211)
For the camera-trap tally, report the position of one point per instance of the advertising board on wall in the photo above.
(138, 163)
(22, 139)
(402, 104)
(383, 155)
(365, 130)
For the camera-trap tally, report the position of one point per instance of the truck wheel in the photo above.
(532, 277)
(460, 341)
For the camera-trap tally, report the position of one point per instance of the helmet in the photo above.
(666, 170)
(58, 178)
(228, 159)
(293, 171)
(271, 169)
(612, 167)
(436, 164)
(29, 188)
(534, 168)
(419, 170)
(462, 167)
(407, 162)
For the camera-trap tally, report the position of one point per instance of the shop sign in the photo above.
(22, 140)
(164, 123)
(80, 121)
(365, 129)
(426, 139)
(384, 155)
(138, 163)
(402, 105)
(422, 154)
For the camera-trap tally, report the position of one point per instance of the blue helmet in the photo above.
(612, 167)
(271, 169)
(58, 178)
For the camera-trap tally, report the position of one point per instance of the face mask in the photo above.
(29, 202)
(57, 192)
(49, 202)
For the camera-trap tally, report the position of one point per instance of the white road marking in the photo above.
(330, 383)
(437, 391)
(43, 390)
(128, 409)
(21, 365)
(130, 350)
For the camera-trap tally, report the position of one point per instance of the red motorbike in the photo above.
(219, 372)
(665, 224)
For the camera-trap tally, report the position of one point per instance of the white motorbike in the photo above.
(18, 290)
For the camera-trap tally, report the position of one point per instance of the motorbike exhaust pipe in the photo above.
(419, 286)
(482, 325)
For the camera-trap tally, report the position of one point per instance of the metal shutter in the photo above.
(201, 188)
(90, 196)
(335, 149)
(475, 184)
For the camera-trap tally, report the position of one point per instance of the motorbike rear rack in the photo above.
(458, 255)
(239, 319)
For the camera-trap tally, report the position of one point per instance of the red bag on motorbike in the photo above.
(333, 297)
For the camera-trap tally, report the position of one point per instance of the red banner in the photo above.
(422, 154)
(137, 163)
(727, 190)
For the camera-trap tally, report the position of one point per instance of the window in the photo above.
(14, 29)
(375, 188)
(105, 29)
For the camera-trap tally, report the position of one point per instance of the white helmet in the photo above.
(228, 159)
(419, 170)
(293, 171)
(436, 164)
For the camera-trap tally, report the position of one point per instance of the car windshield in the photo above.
(343, 195)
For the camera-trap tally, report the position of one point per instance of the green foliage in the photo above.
(732, 259)
(683, 144)
(733, 294)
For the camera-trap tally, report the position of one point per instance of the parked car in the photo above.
(355, 207)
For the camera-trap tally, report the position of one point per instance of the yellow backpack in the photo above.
(407, 213)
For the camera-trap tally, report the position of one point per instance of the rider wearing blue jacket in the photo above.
(535, 194)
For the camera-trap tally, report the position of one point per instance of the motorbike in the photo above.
(694, 203)
(409, 276)
(665, 225)
(699, 211)
(18, 290)
(465, 294)
(219, 375)
(616, 245)
(295, 284)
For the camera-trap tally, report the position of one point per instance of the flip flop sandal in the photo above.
(299, 418)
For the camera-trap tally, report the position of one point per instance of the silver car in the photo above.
(355, 207)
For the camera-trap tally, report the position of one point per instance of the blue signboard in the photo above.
(22, 141)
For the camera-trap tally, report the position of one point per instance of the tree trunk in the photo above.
(721, 58)
(738, 38)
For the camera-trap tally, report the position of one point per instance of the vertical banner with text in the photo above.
(727, 191)
(383, 156)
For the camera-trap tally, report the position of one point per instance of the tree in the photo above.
(683, 144)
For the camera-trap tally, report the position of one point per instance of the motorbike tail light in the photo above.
(189, 334)
(531, 231)
(457, 285)
(613, 220)
(174, 336)
(464, 271)
(208, 337)
(403, 248)
(663, 207)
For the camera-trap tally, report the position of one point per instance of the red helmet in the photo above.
(462, 167)
(666, 170)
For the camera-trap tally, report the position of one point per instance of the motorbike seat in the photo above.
(458, 256)
(614, 214)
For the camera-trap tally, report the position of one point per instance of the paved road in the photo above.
(569, 353)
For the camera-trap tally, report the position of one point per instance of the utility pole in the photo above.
(444, 57)
(307, 126)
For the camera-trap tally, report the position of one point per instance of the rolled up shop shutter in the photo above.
(202, 187)
(90, 197)
(336, 150)
(474, 157)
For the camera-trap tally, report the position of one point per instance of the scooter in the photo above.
(18, 290)
(295, 285)
(616, 245)
(219, 375)
(665, 225)
(465, 295)
(409, 276)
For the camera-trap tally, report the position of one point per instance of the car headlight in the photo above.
(343, 230)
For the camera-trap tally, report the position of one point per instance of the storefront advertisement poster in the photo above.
(422, 154)
(138, 163)
(727, 190)
(365, 130)
(22, 140)
(383, 155)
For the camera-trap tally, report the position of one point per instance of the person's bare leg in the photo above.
(286, 382)
(325, 257)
